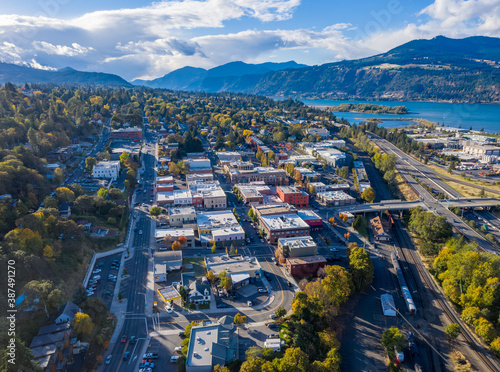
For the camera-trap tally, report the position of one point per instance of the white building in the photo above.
(220, 226)
(175, 234)
(107, 169)
(228, 157)
(178, 217)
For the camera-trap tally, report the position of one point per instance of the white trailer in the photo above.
(388, 306)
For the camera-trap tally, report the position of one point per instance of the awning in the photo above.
(239, 277)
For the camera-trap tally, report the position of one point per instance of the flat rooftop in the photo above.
(284, 222)
(181, 211)
(265, 210)
(174, 233)
(307, 214)
(216, 219)
(298, 242)
(335, 195)
(306, 260)
(290, 190)
(200, 345)
(231, 264)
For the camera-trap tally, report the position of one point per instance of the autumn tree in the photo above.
(155, 211)
(182, 240)
(211, 276)
(393, 339)
(82, 323)
(369, 195)
(176, 246)
(89, 164)
(452, 330)
(360, 267)
(65, 194)
(239, 319)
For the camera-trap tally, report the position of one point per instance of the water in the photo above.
(466, 115)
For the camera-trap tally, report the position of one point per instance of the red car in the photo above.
(124, 339)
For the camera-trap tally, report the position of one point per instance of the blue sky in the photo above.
(144, 39)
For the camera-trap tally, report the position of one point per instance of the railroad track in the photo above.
(445, 307)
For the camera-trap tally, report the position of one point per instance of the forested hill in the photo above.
(436, 69)
(21, 74)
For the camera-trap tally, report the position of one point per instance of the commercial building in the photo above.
(297, 247)
(228, 157)
(335, 198)
(199, 166)
(174, 235)
(131, 133)
(300, 267)
(345, 187)
(164, 183)
(238, 166)
(190, 178)
(182, 216)
(210, 192)
(480, 150)
(361, 176)
(253, 193)
(381, 230)
(283, 226)
(318, 186)
(274, 209)
(310, 217)
(166, 262)
(107, 169)
(219, 227)
(321, 132)
(293, 196)
(211, 345)
(327, 151)
(268, 175)
(242, 270)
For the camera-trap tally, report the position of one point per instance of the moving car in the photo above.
(108, 359)
(124, 339)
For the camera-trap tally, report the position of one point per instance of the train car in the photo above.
(410, 304)
(409, 300)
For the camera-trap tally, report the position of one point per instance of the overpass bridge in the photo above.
(398, 205)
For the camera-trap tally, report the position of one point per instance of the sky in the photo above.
(146, 40)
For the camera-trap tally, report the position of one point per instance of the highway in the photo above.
(409, 167)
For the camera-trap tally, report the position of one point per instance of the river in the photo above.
(464, 115)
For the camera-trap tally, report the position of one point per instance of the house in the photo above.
(242, 270)
(381, 230)
(198, 289)
(68, 313)
(65, 209)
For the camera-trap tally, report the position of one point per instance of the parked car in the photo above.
(221, 306)
(96, 271)
(108, 359)
(150, 356)
(174, 358)
(262, 290)
(178, 348)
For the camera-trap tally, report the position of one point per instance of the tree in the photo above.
(485, 330)
(232, 250)
(331, 220)
(115, 194)
(79, 295)
(251, 214)
(24, 358)
(182, 240)
(280, 312)
(452, 330)
(252, 364)
(343, 217)
(211, 276)
(239, 319)
(214, 248)
(155, 211)
(452, 166)
(89, 164)
(495, 346)
(360, 267)
(176, 246)
(58, 176)
(392, 338)
(38, 290)
(84, 203)
(173, 169)
(82, 324)
(50, 202)
(219, 368)
(102, 192)
(294, 360)
(48, 253)
(184, 167)
(347, 235)
(124, 158)
(95, 308)
(368, 195)
(65, 194)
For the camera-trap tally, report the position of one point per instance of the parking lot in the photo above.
(105, 287)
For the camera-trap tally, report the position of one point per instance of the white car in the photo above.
(96, 271)
(178, 348)
(140, 232)
(108, 359)
(168, 309)
(262, 290)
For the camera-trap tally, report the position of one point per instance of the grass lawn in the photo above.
(199, 267)
(469, 191)
(460, 178)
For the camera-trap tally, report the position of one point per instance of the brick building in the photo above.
(300, 267)
(293, 196)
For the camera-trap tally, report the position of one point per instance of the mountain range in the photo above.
(439, 69)
(21, 74)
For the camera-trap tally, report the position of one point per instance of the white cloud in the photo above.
(152, 40)
(62, 50)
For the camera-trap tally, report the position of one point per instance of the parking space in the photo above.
(165, 346)
(254, 336)
(103, 280)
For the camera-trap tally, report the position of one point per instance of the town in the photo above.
(217, 232)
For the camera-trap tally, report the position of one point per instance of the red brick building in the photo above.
(300, 267)
(132, 133)
(293, 196)
(311, 218)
